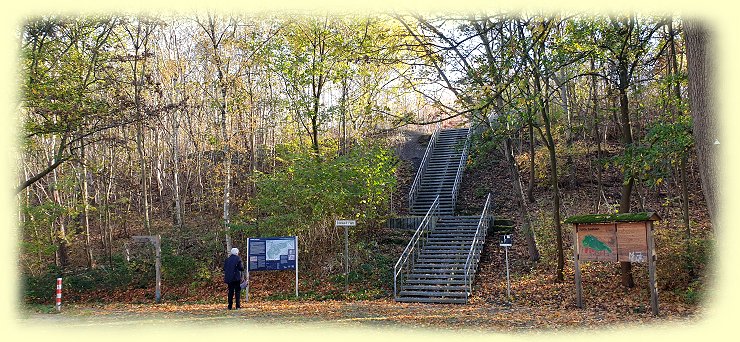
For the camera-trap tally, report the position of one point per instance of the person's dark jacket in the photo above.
(233, 269)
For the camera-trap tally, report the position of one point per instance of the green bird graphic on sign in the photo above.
(590, 241)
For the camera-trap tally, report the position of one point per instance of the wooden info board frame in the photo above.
(615, 238)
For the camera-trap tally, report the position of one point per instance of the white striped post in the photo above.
(59, 294)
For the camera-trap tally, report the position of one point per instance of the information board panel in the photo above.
(597, 242)
(632, 240)
(271, 254)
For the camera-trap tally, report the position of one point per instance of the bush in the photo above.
(678, 268)
(176, 268)
(41, 288)
(307, 195)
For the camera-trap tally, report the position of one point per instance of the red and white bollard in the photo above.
(59, 294)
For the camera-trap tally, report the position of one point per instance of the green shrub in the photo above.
(307, 195)
(41, 288)
(120, 274)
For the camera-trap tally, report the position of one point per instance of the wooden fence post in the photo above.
(579, 289)
(651, 268)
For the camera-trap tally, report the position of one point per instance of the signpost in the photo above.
(156, 242)
(620, 237)
(506, 242)
(272, 254)
(346, 224)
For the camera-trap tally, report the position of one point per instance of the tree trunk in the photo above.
(227, 162)
(675, 72)
(85, 211)
(530, 186)
(555, 194)
(534, 254)
(597, 138)
(516, 181)
(566, 106)
(108, 191)
(343, 119)
(627, 186)
(315, 127)
(176, 170)
(701, 100)
(550, 143)
(62, 253)
(142, 179)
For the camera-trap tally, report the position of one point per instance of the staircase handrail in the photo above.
(480, 237)
(425, 226)
(423, 166)
(461, 168)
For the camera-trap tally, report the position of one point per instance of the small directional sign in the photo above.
(345, 223)
(506, 241)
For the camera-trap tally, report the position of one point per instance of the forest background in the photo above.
(307, 138)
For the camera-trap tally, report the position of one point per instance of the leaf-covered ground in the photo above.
(480, 317)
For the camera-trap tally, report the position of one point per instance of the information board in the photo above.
(272, 254)
(632, 238)
(597, 242)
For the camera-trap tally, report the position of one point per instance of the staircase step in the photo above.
(431, 300)
(446, 227)
(436, 282)
(455, 259)
(439, 262)
(457, 225)
(446, 232)
(430, 247)
(443, 247)
(416, 276)
(434, 287)
(437, 243)
(454, 294)
(456, 271)
(448, 265)
(442, 263)
(443, 256)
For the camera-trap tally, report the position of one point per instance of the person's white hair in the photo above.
(235, 251)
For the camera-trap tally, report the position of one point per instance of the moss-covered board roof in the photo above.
(606, 218)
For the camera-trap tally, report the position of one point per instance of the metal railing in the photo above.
(423, 167)
(414, 247)
(471, 262)
(460, 168)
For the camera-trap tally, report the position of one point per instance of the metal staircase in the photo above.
(439, 263)
(440, 172)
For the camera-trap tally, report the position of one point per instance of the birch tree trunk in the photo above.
(85, 211)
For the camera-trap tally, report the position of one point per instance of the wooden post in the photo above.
(579, 288)
(155, 240)
(346, 259)
(651, 268)
(158, 267)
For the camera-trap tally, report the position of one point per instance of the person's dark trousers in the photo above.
(235, 289)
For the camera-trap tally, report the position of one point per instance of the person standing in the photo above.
(232, 276)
